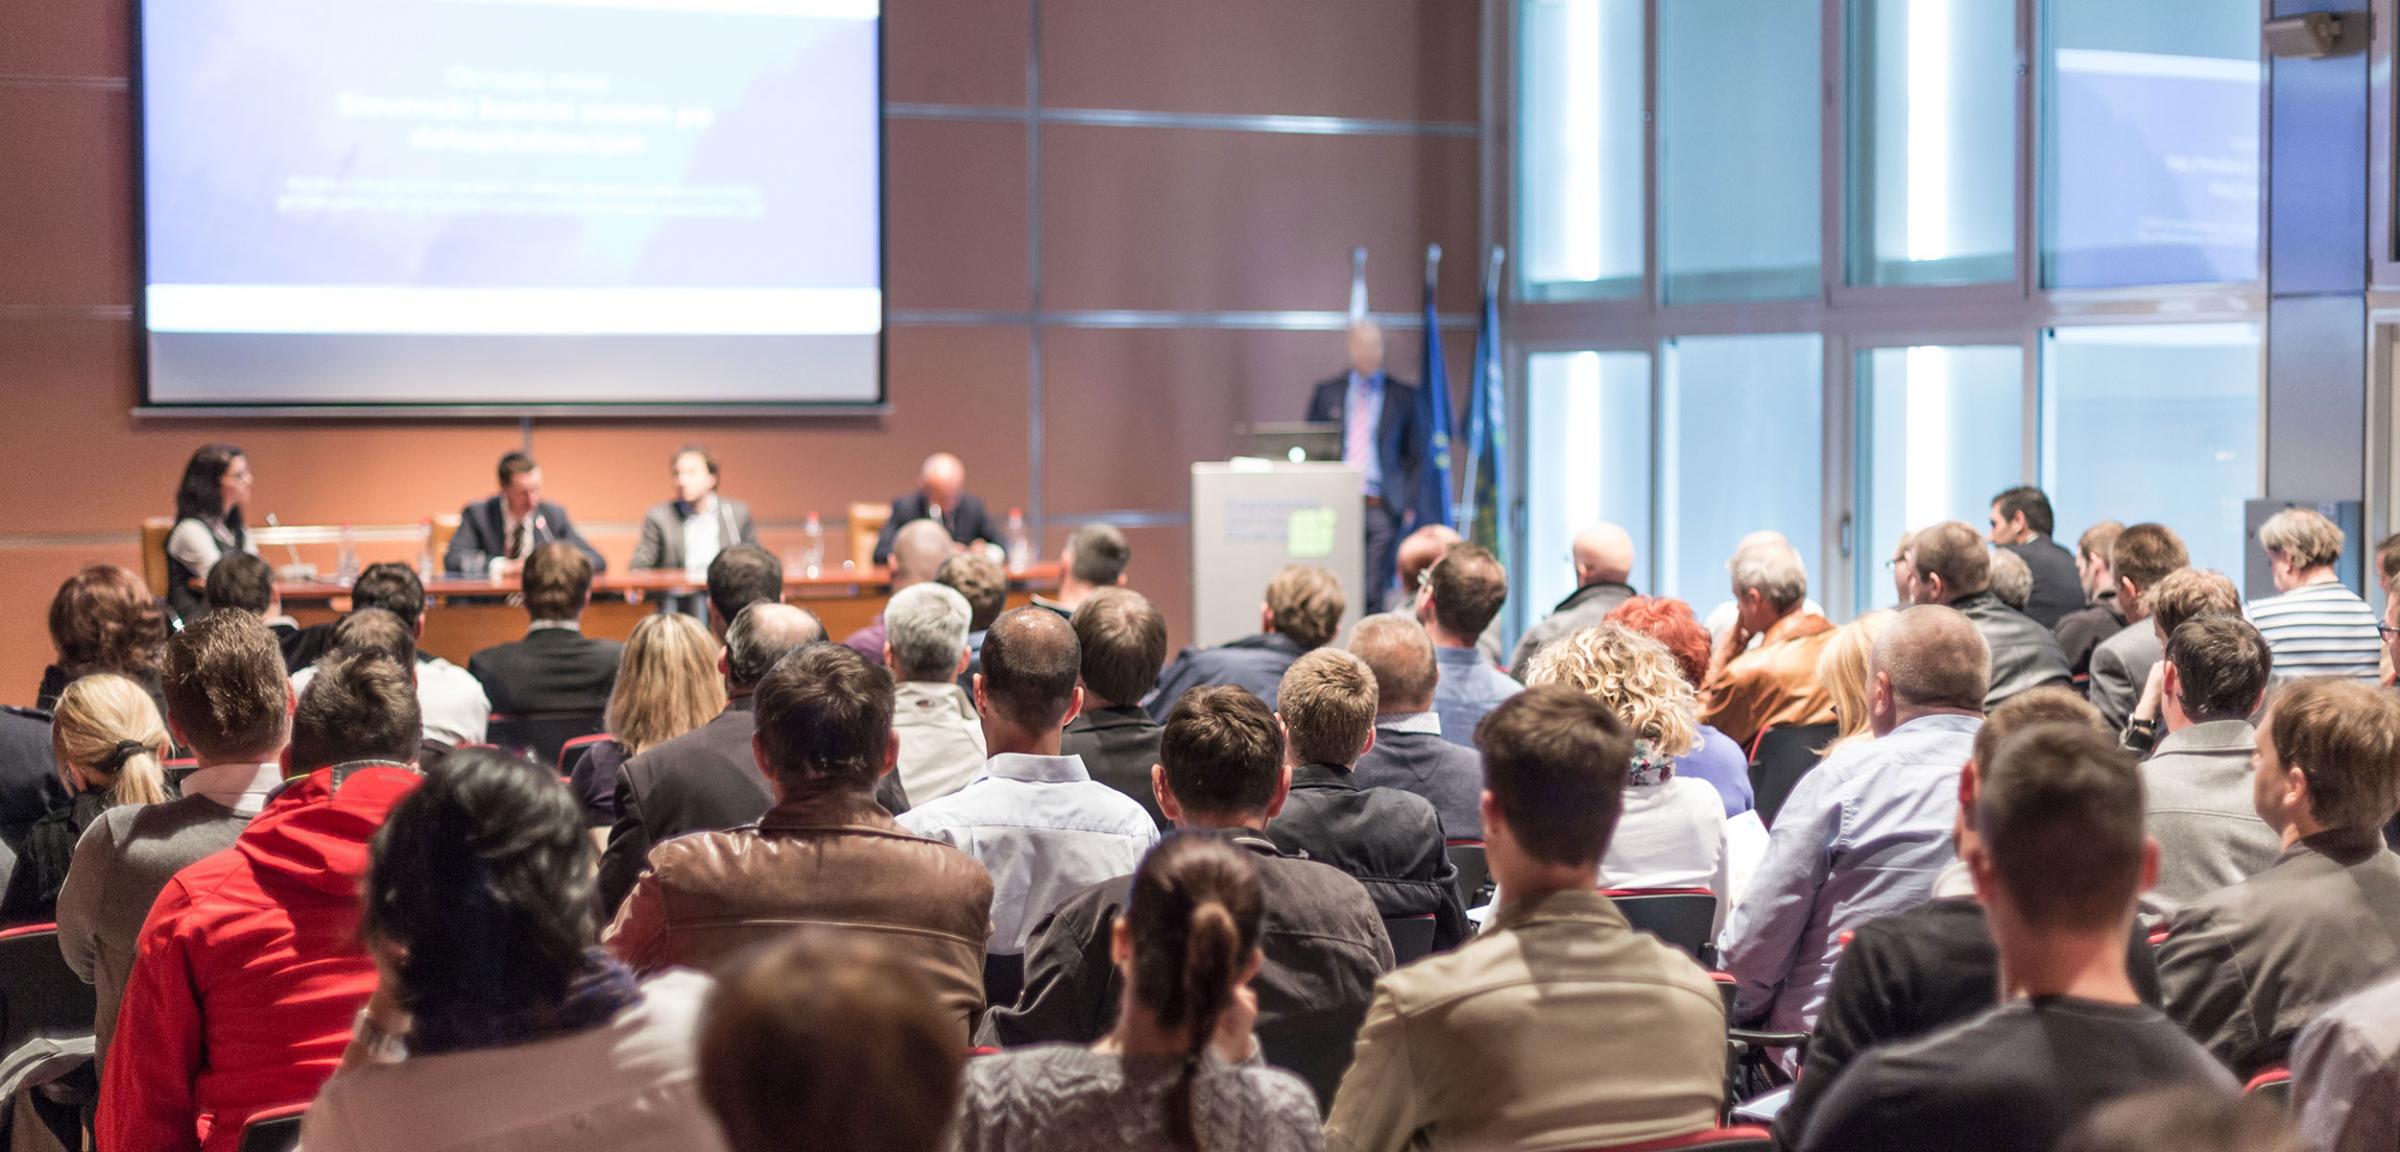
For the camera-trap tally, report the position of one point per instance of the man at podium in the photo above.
(1378, 418)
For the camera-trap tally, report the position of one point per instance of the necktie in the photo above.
(516, 539)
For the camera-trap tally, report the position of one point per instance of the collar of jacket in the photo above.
(1323, 776)
(2343, 846)
(1275, 640)
(1248, 838)
(1576, 904)
(1133, 716)
(2209, 736)
(826, 804)
(1797, 624)
(746, 702)
(1591, 590)
(1984, 602)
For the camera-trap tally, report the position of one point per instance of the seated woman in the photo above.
(104, 619)
(1672, 834)
(1181, 1069)
(107, 740)
(667, 685)
(1724, 764)
(517, 1030)
(208, 522)
(1842, 668)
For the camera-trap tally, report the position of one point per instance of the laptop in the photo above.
(1298, 442)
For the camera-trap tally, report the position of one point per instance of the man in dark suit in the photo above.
(2021, 523)
(940, 497)
(555, 668)
(706, 780)
(29, 786)
(1411, 751)
(687, 532)
(496, 535)
(1124, 640)
(1378, 416)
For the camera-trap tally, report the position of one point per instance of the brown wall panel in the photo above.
(71, 38)
(1176, 218)
(1414, 60)
(957, 193)
(954, 51)
(66, 195)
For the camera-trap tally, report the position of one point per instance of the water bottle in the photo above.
(345, 564)
(425, 568)
(812, 547)
(1020, 546)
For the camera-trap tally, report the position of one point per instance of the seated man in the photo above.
(1953, 567)
(1220, 772)
(1560, 1026)
(1303, 611)
(1036, 819)
(740, 576)
(2142, 556)
(1603, 559)
(1390, 840)
(2346, 1073)
(1462, 595)
(925, 646)
(249, 970)
(825, 854)
(1865, 833)
(1123, 640)
(917, 557)
(706, 779)
(249, 584)
(1095, 557)
(942, 498)
(555, 668)
(2021, 525)
(2057, 857)
(449, 697)
(2181, 595)
(227, 701)
(1412, 751)
(689, 531)
(2081, 631)
(2246, 967)
(985, 585)
(496, 535)
(1773, 684)
(2200, 801)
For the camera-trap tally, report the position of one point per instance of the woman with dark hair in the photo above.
(517, 1029)
(1181, 1070)
(208, 522)
(104, 619)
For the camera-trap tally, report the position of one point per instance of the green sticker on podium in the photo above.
(1310, 534)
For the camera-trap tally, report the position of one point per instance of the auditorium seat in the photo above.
(1474, 871)
(155, 530)
(2272, 1084)
(866, 524)
(1683, 917)
(571, 753)
(1779, 758)
(45, 1027)
(1745, 1138)
(274, 1130)
(542, 736)
(1412, 936)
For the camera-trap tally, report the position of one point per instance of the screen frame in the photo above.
(147, 408)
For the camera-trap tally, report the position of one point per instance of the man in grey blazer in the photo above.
(2198, 790)
(688, 531)
(2142, 556)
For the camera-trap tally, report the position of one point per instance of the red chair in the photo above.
(2273, 1084)
(573, 750)
(273, 1129)
(1741, 1138)
(1683, 917)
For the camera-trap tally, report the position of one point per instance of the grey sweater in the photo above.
(1067, 1098)
(2198, 806)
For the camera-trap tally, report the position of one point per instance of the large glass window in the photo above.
(1738, 144)
(2154, 422)
(2150, 142)
(1581, 169)
(1587, 462)
(1743, 440)
(1933, 141)
(1939, 435)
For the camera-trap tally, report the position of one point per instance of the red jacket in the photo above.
(249, 972)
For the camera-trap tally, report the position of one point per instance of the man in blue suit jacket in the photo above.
(496, 535)
(1380, 434)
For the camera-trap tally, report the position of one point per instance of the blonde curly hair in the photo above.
(1631, 673)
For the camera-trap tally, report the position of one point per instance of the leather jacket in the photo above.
(2024, 654)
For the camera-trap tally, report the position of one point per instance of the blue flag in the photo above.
(1433, 413)
(1487, 500)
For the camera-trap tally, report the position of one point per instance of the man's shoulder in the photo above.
(707, 743)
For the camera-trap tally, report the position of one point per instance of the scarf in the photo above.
(1650, 766)
(593, 998)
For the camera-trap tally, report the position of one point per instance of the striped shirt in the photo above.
(2320, 630)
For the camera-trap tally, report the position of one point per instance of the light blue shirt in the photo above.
(1044, 829)
(1469, 689)
(1861, 837)
(1363, 409)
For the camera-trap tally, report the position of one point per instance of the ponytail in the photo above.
(106, 726)
(1211, 958)
(1194, 915)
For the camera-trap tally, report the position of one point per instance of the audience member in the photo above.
(1718, 761)
(941, 497)
(2082, 630)
(2182, 595)
(555, 668)
(821, 1033)
(1390, 840)
(1412, 752)
(1302, 612)
(985, 585)
(917, 555)
(1094, 557)
(29, 785)
(2198, 784)
(1419, 552)
(1865, 833)
(740, 576)
(1560, 1026)
(2346, 1073)
(667, 685)
(1722, 618)
(706, 779)
(1670, 831)
(825, 854)
(2142, 556)
(449, 697)
(2021, 526)
(2058, 857)
(1953, 568)
(1844, 669)
(688, 532)
(925, 647)
(103, 619)
(2186, 1120)
(1123, 641)
(2317, 626)
(107, 741)
(241, 580)
(209, 502)
(482, 870)
(1033, 816)
(232, 707)
(2246, 967)
(1220, 772)
(249, 967)
(1746, 689)
(1460, 598)
(1603, 558)
(2012, 579)
(1181, 1068)
(496, 535)
(1904, 569)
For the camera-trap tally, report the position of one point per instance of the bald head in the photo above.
(1420, 549)
(941, 478)
(918, 552)
(1397, 649)
(1366, 348)
(1932, 658)
(1759, 539)
(1603, 552)
(1030, 662)
(764, 633)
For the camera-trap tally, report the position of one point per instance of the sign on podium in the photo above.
(1252, 517)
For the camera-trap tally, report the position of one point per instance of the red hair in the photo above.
(1670, 622)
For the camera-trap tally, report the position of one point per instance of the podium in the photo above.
(1251, 518)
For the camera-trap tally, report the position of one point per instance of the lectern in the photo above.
(1252, 517)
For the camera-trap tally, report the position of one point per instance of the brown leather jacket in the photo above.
(826, 856)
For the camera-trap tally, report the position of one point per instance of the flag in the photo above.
(1486, 497)
(1433, 412)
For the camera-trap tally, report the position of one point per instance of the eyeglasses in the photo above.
(2385, 630)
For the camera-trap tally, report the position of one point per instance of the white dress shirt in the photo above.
(1044, 829)
(703, 537)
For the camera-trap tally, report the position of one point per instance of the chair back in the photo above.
(1780, 758)
(1741, 1138)
(2273, 1084)
(274, 1130)
(571, 753)
(1683, 917)
(1474, 871)
(866, 525)
(155, 530)
(1412, 936)
(445, 526)
(45, 1010)
(540, 736)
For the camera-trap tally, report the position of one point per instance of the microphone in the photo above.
(272, 522)
(935, 511)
